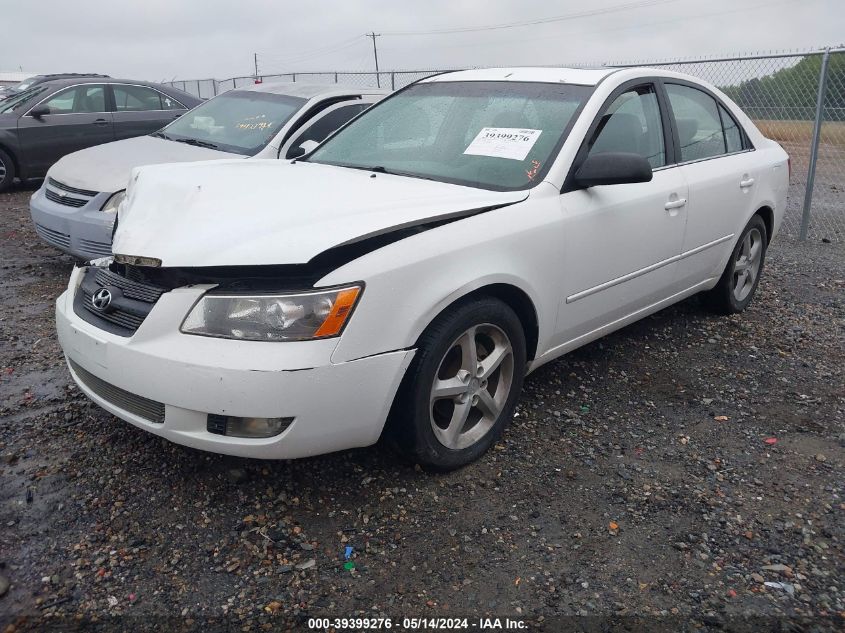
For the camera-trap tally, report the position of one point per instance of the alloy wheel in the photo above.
(472, 385)
(747, 264)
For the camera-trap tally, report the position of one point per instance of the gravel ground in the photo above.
(685, 472)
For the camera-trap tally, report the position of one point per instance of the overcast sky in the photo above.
(165, 39)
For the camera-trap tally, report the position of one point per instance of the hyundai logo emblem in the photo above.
(101, 300)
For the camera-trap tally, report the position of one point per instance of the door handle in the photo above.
(675, 204)
(747, 182)
(100, 122)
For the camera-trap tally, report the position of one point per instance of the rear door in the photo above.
(621, 242)
(78, 118)
(717, 162)
(140, 110)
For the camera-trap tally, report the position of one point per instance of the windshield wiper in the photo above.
(193, 141)
(161, 135)
(393, 172)
(381, 169)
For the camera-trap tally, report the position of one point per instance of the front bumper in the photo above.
(334, 406)
(84, 232)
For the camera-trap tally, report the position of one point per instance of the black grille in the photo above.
(131, 288)
(68, 188)
(68, 201)
(120, 398)
(131, 301)
(216, 423)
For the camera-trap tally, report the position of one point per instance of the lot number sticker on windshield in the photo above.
(503, 142)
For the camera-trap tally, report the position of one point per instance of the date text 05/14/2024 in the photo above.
(417, 624)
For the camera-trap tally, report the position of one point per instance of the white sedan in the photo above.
(406, 275)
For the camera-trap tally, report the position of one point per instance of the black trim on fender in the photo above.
(294, 277)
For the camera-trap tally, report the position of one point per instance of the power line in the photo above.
(499, 42)
(316, 52)
(560, 18)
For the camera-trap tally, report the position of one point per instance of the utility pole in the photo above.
(374, 35)
(255, 59)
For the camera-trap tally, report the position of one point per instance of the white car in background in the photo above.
(74, 209)
(414, 267)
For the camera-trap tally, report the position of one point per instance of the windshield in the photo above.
(238, 121)
(487, 134)
(17, 100)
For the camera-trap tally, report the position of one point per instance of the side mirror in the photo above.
(612, 168)
(40, 111)
(302, 150)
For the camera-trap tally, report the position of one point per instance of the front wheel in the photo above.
(739, 281)
(462, 386)
(7, 171)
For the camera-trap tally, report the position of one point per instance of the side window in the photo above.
(81, 99)
(632, 123)
(169, 103)
(733, 137)
(325, 125)
(699, 125)
(135, 98)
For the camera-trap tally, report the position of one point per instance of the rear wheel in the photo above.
(739, 281)
(7, 171)
(462, 387)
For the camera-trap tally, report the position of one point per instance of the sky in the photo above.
(189, 39)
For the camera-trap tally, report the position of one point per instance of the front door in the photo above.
(78, 118)
(621, 242)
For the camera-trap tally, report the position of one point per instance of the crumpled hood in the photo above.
(107, 167)
(261, 212)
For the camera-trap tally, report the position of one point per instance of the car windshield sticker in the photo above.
(535, 167)
(254, 123)
(503, 142)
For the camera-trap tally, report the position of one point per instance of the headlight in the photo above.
(295, 317)
(113, 202)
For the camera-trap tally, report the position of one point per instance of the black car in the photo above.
(44, 122)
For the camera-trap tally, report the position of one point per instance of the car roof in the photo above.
(579, 76)
(51, 76)
(72, 81)
(309, 91)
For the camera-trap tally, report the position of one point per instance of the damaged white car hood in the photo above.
(107, 167)
(260, 212)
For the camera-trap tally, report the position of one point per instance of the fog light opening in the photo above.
(232, 426)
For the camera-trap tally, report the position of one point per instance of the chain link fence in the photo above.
(797, 99)
(781, 93)
(388, 80)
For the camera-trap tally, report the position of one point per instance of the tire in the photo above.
(7, 171)
(430, 429)
(738, 283)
